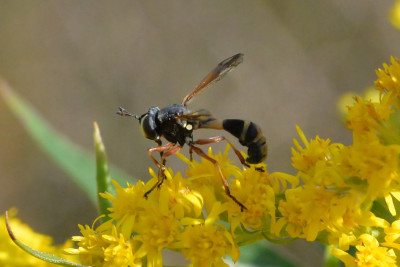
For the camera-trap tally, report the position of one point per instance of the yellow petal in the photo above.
(390, 204)
(345, 257)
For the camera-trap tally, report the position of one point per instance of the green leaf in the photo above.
(39, 254)
(379, 208)
(263, 254)
(78, 163)
(102, 174)
(330, 260)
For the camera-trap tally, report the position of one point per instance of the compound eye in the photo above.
(148, 127)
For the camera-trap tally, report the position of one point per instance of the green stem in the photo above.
(102, 173)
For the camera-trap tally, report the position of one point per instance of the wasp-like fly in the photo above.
(176, 124)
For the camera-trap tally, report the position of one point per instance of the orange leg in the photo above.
(167, 150)
(160, 149)
(161, 153)
(224, 182)
(217, 139)
(168, 153)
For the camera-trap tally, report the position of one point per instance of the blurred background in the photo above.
(77, 61)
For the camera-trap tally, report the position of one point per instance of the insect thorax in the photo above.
(172, 128)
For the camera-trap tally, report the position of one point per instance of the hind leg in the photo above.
(217, 139)
(224, 182)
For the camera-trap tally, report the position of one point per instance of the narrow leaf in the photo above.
(75, 161)
(264, 254)
(330, 260)
(38, 254)
(102, 174)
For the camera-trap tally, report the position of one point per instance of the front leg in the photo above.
(161, 165)
(168, 153)
(159, 142)
(167, 150)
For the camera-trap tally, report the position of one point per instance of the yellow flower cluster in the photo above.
(341, 184)
(12, 255)
(191, 215)
(342, 195)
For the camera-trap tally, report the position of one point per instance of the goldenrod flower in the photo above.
(316, 150)
(184, 214)
(155, 231)
(205, 178)
(309, 210)
(329, 199)
(369, 253)
(373, 163)
(315, 162)
(341, 182)
(388, 78)
(365, 118)
(119, 251)
(104, 246)
(335, 197)
(206, 243)
(127, 206)
(255, 190)
(392, 235)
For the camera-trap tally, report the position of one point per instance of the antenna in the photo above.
(122, 112)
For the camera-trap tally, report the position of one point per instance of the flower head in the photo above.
(206, 243)
(192, 215)
(369, 253)
(104, 246)
(335, 197)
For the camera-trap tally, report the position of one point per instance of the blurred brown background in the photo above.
(77, 61)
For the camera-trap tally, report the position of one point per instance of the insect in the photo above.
(176, 124)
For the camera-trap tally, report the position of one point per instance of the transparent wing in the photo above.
(215, 75)
(195, 115)
(197, 119)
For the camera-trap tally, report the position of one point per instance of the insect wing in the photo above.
(195, 115)
(196, 119)
(215, 75)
